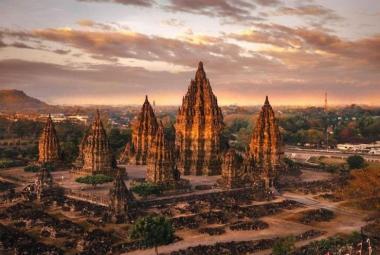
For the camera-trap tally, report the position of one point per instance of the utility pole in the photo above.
(327, 122)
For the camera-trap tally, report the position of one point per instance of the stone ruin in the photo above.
(43, 182)
(119, 199)
(127, 154)
(198, 127)
(48, 147)
(265, 153)
(231, 170)
(43, 186)
(95, 156)
(143, 133)
(161, 163)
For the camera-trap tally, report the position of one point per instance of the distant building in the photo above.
(79, 118)
(60, 117)
(374, 151)
(372, 148)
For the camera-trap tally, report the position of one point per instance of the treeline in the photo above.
(310, 125)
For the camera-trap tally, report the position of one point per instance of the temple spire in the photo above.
(198, 129)
(144, 130)
(161, 165)
(231, 169)
(120, 198)
(48, 147)
(97, 114)
(200, 74)
(43, 182)
(266, 146)
(96, 150)
(266, 101)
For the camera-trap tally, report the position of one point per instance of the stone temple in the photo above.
(126, 154)
(144, 130)
(161, 164)
(120, 198)
(43, 182)
(198, 129)
(96, 154)
(48, 146)
(266, 148)
(231, 170)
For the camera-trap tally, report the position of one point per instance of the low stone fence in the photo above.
(248, 193)
(91, 198)
(195, 197)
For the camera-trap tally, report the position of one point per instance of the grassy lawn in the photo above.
(373, 165)
(332, 161)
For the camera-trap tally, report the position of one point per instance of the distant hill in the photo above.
(16, 100)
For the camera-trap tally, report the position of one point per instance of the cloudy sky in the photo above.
(116, 51)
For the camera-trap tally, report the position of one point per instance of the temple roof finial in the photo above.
(146, 98)
(266, 101)
(200, 72)
(97, 114)
(200, 65)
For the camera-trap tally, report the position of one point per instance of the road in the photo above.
(294, 152)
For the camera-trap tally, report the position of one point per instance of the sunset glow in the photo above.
(115, 52)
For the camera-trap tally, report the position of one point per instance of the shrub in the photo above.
(48, 166)
(319, 215)
(5, 163)
(284, 246)
(94, 179)
(145, 189)
(32, 169)
(333, 245)
(355, 162)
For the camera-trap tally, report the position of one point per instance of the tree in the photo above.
(94, 179)
(119, 138)
(153, 231)
(70, 135)
(284, 246)
(355, 162)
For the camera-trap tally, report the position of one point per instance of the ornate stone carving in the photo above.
(43, 182)
(231, 170)
(161, 164)
(96, 152)
(120, 198)
(198, 128)
(266, 147)
(127, 154)
(48, 146)
(144, 130)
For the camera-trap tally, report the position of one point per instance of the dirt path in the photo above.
(282, 224)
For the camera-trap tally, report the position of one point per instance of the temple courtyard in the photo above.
(204, 217)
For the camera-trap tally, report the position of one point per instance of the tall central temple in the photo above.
(198, 129)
